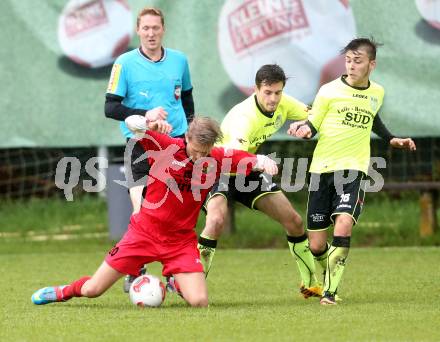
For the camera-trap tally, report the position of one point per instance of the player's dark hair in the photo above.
(368, 43)
(204, 130)
(270, 74)
(151, 11)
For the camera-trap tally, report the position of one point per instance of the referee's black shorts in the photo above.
(136, 170)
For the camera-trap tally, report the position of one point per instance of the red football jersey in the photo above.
(177, 187)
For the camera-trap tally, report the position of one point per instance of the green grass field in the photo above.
(385, 221)
(389, 294)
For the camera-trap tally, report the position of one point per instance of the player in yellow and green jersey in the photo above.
(344, 113)
(246, 127)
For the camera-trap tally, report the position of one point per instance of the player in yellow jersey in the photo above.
(246, 126)
(344, 113)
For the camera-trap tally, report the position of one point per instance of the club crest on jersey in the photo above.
(177, 91)
(278, 122)
(374, 103)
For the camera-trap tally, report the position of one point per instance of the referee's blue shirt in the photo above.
(145, 84)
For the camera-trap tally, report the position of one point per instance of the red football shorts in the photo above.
(138, 248)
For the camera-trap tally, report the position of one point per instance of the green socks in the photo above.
(206, 248)
(299, 247)
(321, 258)
(337, 256)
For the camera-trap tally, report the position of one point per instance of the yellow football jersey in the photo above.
(246, 127)
(343, 116)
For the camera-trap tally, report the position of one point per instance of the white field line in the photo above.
(32, 236)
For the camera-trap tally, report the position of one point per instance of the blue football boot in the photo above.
(48, 295)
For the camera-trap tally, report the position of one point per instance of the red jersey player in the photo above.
(181, 175)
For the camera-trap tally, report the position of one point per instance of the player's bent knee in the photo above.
(297, 221)
(317, 247)
(199, 301)
(293, 224)
(217, 220)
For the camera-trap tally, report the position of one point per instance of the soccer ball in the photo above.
(147, 290)
(93, 33)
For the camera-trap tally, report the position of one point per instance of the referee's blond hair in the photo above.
(150, 11)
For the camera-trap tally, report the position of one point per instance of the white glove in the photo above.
(265, 164)
(136, 123)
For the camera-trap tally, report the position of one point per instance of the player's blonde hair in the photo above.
(204, 130)
(150, 11)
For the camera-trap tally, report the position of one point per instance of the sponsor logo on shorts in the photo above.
(348, 206)
(318, 217)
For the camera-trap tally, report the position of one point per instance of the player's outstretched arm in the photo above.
(380, 129)
(404, 143)
(138, 125)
